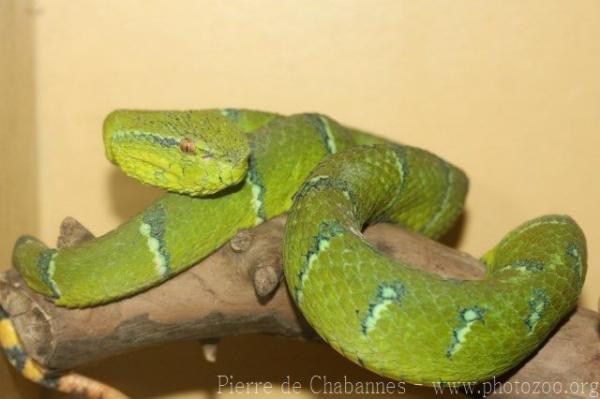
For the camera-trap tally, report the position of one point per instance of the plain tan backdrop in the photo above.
(508, 90)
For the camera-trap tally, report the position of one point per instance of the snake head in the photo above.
(189, 152)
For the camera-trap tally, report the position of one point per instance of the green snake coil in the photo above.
(234, 169)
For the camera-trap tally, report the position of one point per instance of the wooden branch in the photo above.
(237, 290)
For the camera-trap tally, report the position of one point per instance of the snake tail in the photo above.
(402, 322)
(69, 383)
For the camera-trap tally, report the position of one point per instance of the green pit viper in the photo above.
(230, 169)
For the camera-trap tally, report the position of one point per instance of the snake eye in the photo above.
(187, 146)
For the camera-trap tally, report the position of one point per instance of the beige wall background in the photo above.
(508, 90)
(18, 152)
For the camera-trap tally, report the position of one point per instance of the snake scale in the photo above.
(229, 169)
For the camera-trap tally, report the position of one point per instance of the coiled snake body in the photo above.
(235, 169)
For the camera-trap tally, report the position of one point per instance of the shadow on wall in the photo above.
(19, 199)
(128, 196)
(453, 238)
